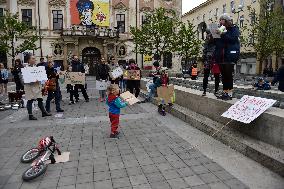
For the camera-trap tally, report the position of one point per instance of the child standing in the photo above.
(3, 80)
(115, 103)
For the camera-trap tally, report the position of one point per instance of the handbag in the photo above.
(51, 84)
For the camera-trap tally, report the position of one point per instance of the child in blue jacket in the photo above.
(115, 103)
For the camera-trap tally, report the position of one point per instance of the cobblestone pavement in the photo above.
(147, 155)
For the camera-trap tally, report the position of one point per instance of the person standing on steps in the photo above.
(33, 91)
(134, 84)
(53, 91)
(102, 75)
(77, 66)
(227, 53)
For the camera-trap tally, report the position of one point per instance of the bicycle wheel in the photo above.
(30, 155)
(34, 172)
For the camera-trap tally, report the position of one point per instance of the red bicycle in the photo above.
(45, 151)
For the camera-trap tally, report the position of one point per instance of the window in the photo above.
(210, 14)
(232, 6)
(252, 18)
(203, 17)
(57, 19)
(217, 12)
(27, 16)
(120, 19)
(1, 16)
(197, 18)
(143, 19)
(224, 8)
(242, 18)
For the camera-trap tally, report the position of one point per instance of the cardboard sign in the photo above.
(248, 108)
(166, 94)
(128, 97)
(34, 74)
(101, 85)
(72, 78)
(116, 73)
(132, 75)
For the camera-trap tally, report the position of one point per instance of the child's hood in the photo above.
(111, 98)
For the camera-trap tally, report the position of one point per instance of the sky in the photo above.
(187, 5)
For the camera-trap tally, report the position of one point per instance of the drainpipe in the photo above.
(39, 29)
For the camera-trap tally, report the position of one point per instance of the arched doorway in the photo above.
(91, 56)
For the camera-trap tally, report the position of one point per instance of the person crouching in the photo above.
(115, 103)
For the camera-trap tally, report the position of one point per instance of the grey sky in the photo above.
(187, 5)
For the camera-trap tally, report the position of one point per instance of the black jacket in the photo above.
(16, 73)
(102, 72)
(77, 66)
(279, 78)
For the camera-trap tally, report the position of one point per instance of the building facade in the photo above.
(87, 28)
(211, 10)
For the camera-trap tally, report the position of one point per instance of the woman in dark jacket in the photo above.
(102, 75)
(279, 78)
(134, 84)
(16, 71)
(227, 53)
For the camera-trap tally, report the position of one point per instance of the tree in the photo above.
(156, 36)
(187, 45)
(15, 30)
(264, 31)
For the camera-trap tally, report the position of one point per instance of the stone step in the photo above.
(261, 152)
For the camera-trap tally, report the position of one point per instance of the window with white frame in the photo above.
(210, 14)
(224, 8)
(57, 19)
(232, 5)
(242, 19)
(217, 13)
(120, 20)
(204, 16)
(27, 16)
(143, 19)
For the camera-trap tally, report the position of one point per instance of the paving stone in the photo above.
(48, 183)
(178, 183)
(69, 172)
(138, 180)
(15, 185)
(160, 185)
(64, 181)
(155, 177)
(170, 174)
(164, 166)
(3, 179)
(89, 185)
(142, 186)
(114, 166)
(85, 178)
(149, 169)
(30, 185)
(223, 175)
(194, 180)
(218, 185)
(131, 171)
(209, 178)
(185, 172)
(121, 182)
(13, 178)
(118, 173)
(203, 186)
(67, 187)
(235, 184)
(105, 184)
(199, 169)
(178, 164)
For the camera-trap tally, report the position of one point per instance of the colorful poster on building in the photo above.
(90, 12)
(147, 61)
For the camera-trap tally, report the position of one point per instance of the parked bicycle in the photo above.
(39, 155)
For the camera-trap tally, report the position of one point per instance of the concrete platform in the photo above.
(261, 140)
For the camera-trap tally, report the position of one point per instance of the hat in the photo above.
(226, 17)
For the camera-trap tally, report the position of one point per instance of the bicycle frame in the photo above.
(48, 152)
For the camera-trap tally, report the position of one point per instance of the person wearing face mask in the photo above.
(53, 89)
(33, 91)
(102, 75)
(227, 53)
(133, 84)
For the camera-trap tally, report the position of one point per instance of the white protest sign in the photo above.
(34, 74)
(213, 27)
(117, 72)
(101, 85)
(248, 108)
(128, 97)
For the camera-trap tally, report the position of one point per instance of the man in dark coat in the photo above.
(279, 78)
(77, 66)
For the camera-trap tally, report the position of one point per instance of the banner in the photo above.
(248, 108)
(116, 73)
(90, 12)
(128, 97)
(101, 85)
(72, 78)
(147, 61)
(34, 74)
(132, 75)
(166, 94)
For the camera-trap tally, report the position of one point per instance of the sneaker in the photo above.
(60, 110)
(204, 94)
(113, 136)
(71, 102)
(31, 117)
(44, 114)
(225, 97)
(87, 100)
(77, 100)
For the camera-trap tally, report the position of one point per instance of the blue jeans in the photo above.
(152, 92)
(50, 96)
(122, 85)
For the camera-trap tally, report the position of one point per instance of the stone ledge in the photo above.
(261, 152)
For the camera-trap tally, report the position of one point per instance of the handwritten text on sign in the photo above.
(72, 78)
(248, 108)
(34, 74)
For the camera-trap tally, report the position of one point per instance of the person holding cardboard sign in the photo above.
(33, 92)
(102, 75)
(133, 83)
(112, 66)
(115, 103)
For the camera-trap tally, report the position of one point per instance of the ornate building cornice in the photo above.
(57, 3)
(120, 6)
(26, 2)
(145, 9)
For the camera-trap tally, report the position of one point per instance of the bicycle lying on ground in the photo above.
(39, 155)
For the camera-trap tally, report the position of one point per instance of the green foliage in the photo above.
(157, 34)
(14, 30)
(264, 33)
(187, 44)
